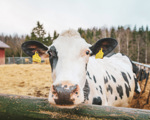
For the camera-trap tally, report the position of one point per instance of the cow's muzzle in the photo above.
(65, 94)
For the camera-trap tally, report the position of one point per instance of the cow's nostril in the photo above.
(64, 88)
(73, 89)
(66, 94)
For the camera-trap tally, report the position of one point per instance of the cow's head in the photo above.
(68, 55)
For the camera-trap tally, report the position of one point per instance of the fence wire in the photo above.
(18, 60)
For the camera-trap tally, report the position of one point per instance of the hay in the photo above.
(142, 100)
(31, 79)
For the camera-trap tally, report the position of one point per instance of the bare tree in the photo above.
(138, 46)
(128, 36)
(146, 44)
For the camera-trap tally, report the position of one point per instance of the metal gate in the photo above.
(18, 60)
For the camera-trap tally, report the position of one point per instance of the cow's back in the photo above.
(115, 77)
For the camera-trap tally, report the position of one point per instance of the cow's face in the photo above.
(68, 55)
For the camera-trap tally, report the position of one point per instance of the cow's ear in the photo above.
(108, 44)
(30, 47)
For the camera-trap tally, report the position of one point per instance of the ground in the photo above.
(35, 80)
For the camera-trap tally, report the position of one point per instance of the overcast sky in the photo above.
(20, 16)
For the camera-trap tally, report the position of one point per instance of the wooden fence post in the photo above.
(14, 107)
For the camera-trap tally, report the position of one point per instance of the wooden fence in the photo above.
(14, 107)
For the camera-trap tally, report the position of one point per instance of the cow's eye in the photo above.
(87, 52)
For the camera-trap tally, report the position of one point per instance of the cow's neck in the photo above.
(94, 78)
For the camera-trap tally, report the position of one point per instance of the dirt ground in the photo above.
(29, 79)
(35, 80)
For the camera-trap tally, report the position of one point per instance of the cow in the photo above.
(78, 77)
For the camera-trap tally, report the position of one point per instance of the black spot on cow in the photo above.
(105, 80)
(129, 75)
(127, 90)
(113, 78)
(108, 75)
(125, 77)
(96, 88)
(97, 101)
(136, 85)
(86, 66)
(115, 97)
(88, 75)
(100, 89)
(120, 91)
(86, 91)
(109, 88)
(94, 78)
(53, 58)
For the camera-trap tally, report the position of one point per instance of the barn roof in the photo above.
(3, 45)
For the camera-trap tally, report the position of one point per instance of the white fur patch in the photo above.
(70, 33)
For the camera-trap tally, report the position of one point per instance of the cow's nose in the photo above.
(65, 94)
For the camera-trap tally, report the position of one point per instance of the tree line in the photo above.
(134, 43)
(38, 33)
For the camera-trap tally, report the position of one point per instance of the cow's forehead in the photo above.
(70, 41)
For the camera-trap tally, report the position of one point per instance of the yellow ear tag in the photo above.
(36, 57)
(100, 54)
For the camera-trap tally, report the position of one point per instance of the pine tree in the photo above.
(48, 40)
(98, 33)
(148, 47)
(127, 39)
(141, 45)
(113, 34)
(55, 35)
(38, 33)
(118, 35)
(133, 43)
(146, 44)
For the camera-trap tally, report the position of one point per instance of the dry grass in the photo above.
(35, 80)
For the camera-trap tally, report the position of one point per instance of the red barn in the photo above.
(2, 52)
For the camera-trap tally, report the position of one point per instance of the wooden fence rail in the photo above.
(14, 107)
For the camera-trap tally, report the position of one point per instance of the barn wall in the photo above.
(2, 56)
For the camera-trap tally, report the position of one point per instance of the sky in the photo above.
(21, 16)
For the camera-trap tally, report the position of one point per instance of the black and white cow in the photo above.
(80, 78)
